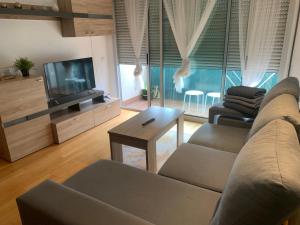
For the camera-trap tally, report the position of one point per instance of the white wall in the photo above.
(295, 65)
(131, 85)
(42, 42)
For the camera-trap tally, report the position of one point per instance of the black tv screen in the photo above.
(69, 78)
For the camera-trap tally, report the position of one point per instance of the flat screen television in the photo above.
(67, 80)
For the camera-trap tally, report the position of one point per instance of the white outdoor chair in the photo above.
(213, 95)
(195, 93)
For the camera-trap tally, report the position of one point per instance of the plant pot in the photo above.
(25, 73)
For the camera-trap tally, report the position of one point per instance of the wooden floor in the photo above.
(57, 162)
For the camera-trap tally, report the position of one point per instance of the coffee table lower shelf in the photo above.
(146, 142)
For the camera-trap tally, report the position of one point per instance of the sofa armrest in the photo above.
(54, 204)
(234, 122)
(219, 109)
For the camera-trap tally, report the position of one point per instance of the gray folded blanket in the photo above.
(255, 105)
(249, 105)
(246, 92)
(251, 112)
(254, 100)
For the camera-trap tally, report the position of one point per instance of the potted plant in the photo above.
(24, 65)
(145, 94)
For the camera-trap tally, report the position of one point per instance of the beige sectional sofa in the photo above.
(224, 175)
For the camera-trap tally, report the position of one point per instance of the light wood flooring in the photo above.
(58, 162)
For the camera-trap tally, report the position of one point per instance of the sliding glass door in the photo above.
(203, 86)
(154, 43)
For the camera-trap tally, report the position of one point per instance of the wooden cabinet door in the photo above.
(20, 98)
(82, 27)
(28, 137)
(92, 27)
(100, 27)
(79, 6)
(100, 7)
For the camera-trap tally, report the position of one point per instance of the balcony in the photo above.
(202, 88)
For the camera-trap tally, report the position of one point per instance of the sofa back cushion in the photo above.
(264, 184)
(288, 85)
(282, 107)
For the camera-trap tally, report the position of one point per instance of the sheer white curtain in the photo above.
(258, 26)
(187, 19)
(137, 16)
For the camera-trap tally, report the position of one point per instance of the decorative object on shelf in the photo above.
(3, 5)
(156, 92)
(40, 7)
(24, 65)
(10, 72)
(144, 94)
(7, 77)
(34, 7)
(46, 8)
(18, 5)
(153, 94)
(55, 8)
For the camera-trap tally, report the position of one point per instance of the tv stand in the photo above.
(66, 124)
(73, 100)
(99, 99)
(75, 107)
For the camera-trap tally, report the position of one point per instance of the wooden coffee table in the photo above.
(133, 133)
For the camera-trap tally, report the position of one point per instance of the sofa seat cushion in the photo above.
(157, 199)
(264, 184)
(284, 106)
(225, 138)
(201, 166)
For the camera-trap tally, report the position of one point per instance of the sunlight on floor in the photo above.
(165, 146)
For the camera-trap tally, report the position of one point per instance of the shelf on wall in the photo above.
(29, 14)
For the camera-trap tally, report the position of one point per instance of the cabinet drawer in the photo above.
(28, 137)
(106, 112)
(69, 128)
